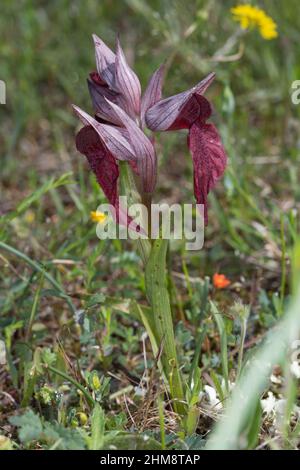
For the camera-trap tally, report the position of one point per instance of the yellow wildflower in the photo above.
(82, 418)
(250, 17)
(29, 216)
(96, 382)
(98, 217)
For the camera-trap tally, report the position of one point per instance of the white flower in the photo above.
(268, 404)
(275, 379)
(212, 397)
(295, 369)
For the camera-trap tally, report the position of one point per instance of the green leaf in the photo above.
(61, 438)
(254, 426)
(30, 426)
(195, 442)
(255, 378)
(223, 336)
(158, 296)
(145, 315)
(98, 427)
(41, 269)
(95, 300)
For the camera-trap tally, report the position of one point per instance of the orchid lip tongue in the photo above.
(106, 170)
(209, 160)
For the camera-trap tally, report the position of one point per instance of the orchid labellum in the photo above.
(190, 110)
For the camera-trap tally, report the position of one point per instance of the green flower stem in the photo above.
(153, 254)
(70, 379)
(158, 296)
(146, 201)
(128, 188)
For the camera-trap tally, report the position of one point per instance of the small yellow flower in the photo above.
(82, 418)
(96, 382)
(250, 17)
(29, 216)
(98, 217)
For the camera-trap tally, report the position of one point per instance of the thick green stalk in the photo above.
(158, 296)
(153, 254)
(129, 189)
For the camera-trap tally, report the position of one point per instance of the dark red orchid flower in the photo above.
(115, 132)
(190, 110)
(121, 114)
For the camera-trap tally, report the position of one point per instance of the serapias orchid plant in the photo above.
(116, 134)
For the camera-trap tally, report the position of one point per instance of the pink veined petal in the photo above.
(202, 86)
(105, 61)
(106, 170)
(127, 84)
(112, 137)
(209, 160)
(102, 108)
(143, 148)
(180, 111)
(153, 92)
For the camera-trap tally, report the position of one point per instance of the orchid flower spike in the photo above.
(115, 133)
(121, 114)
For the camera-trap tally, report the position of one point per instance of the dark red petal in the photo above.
(209, 160)
(197, 108)
(114, 138)
(101, 161)
(105, 168)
